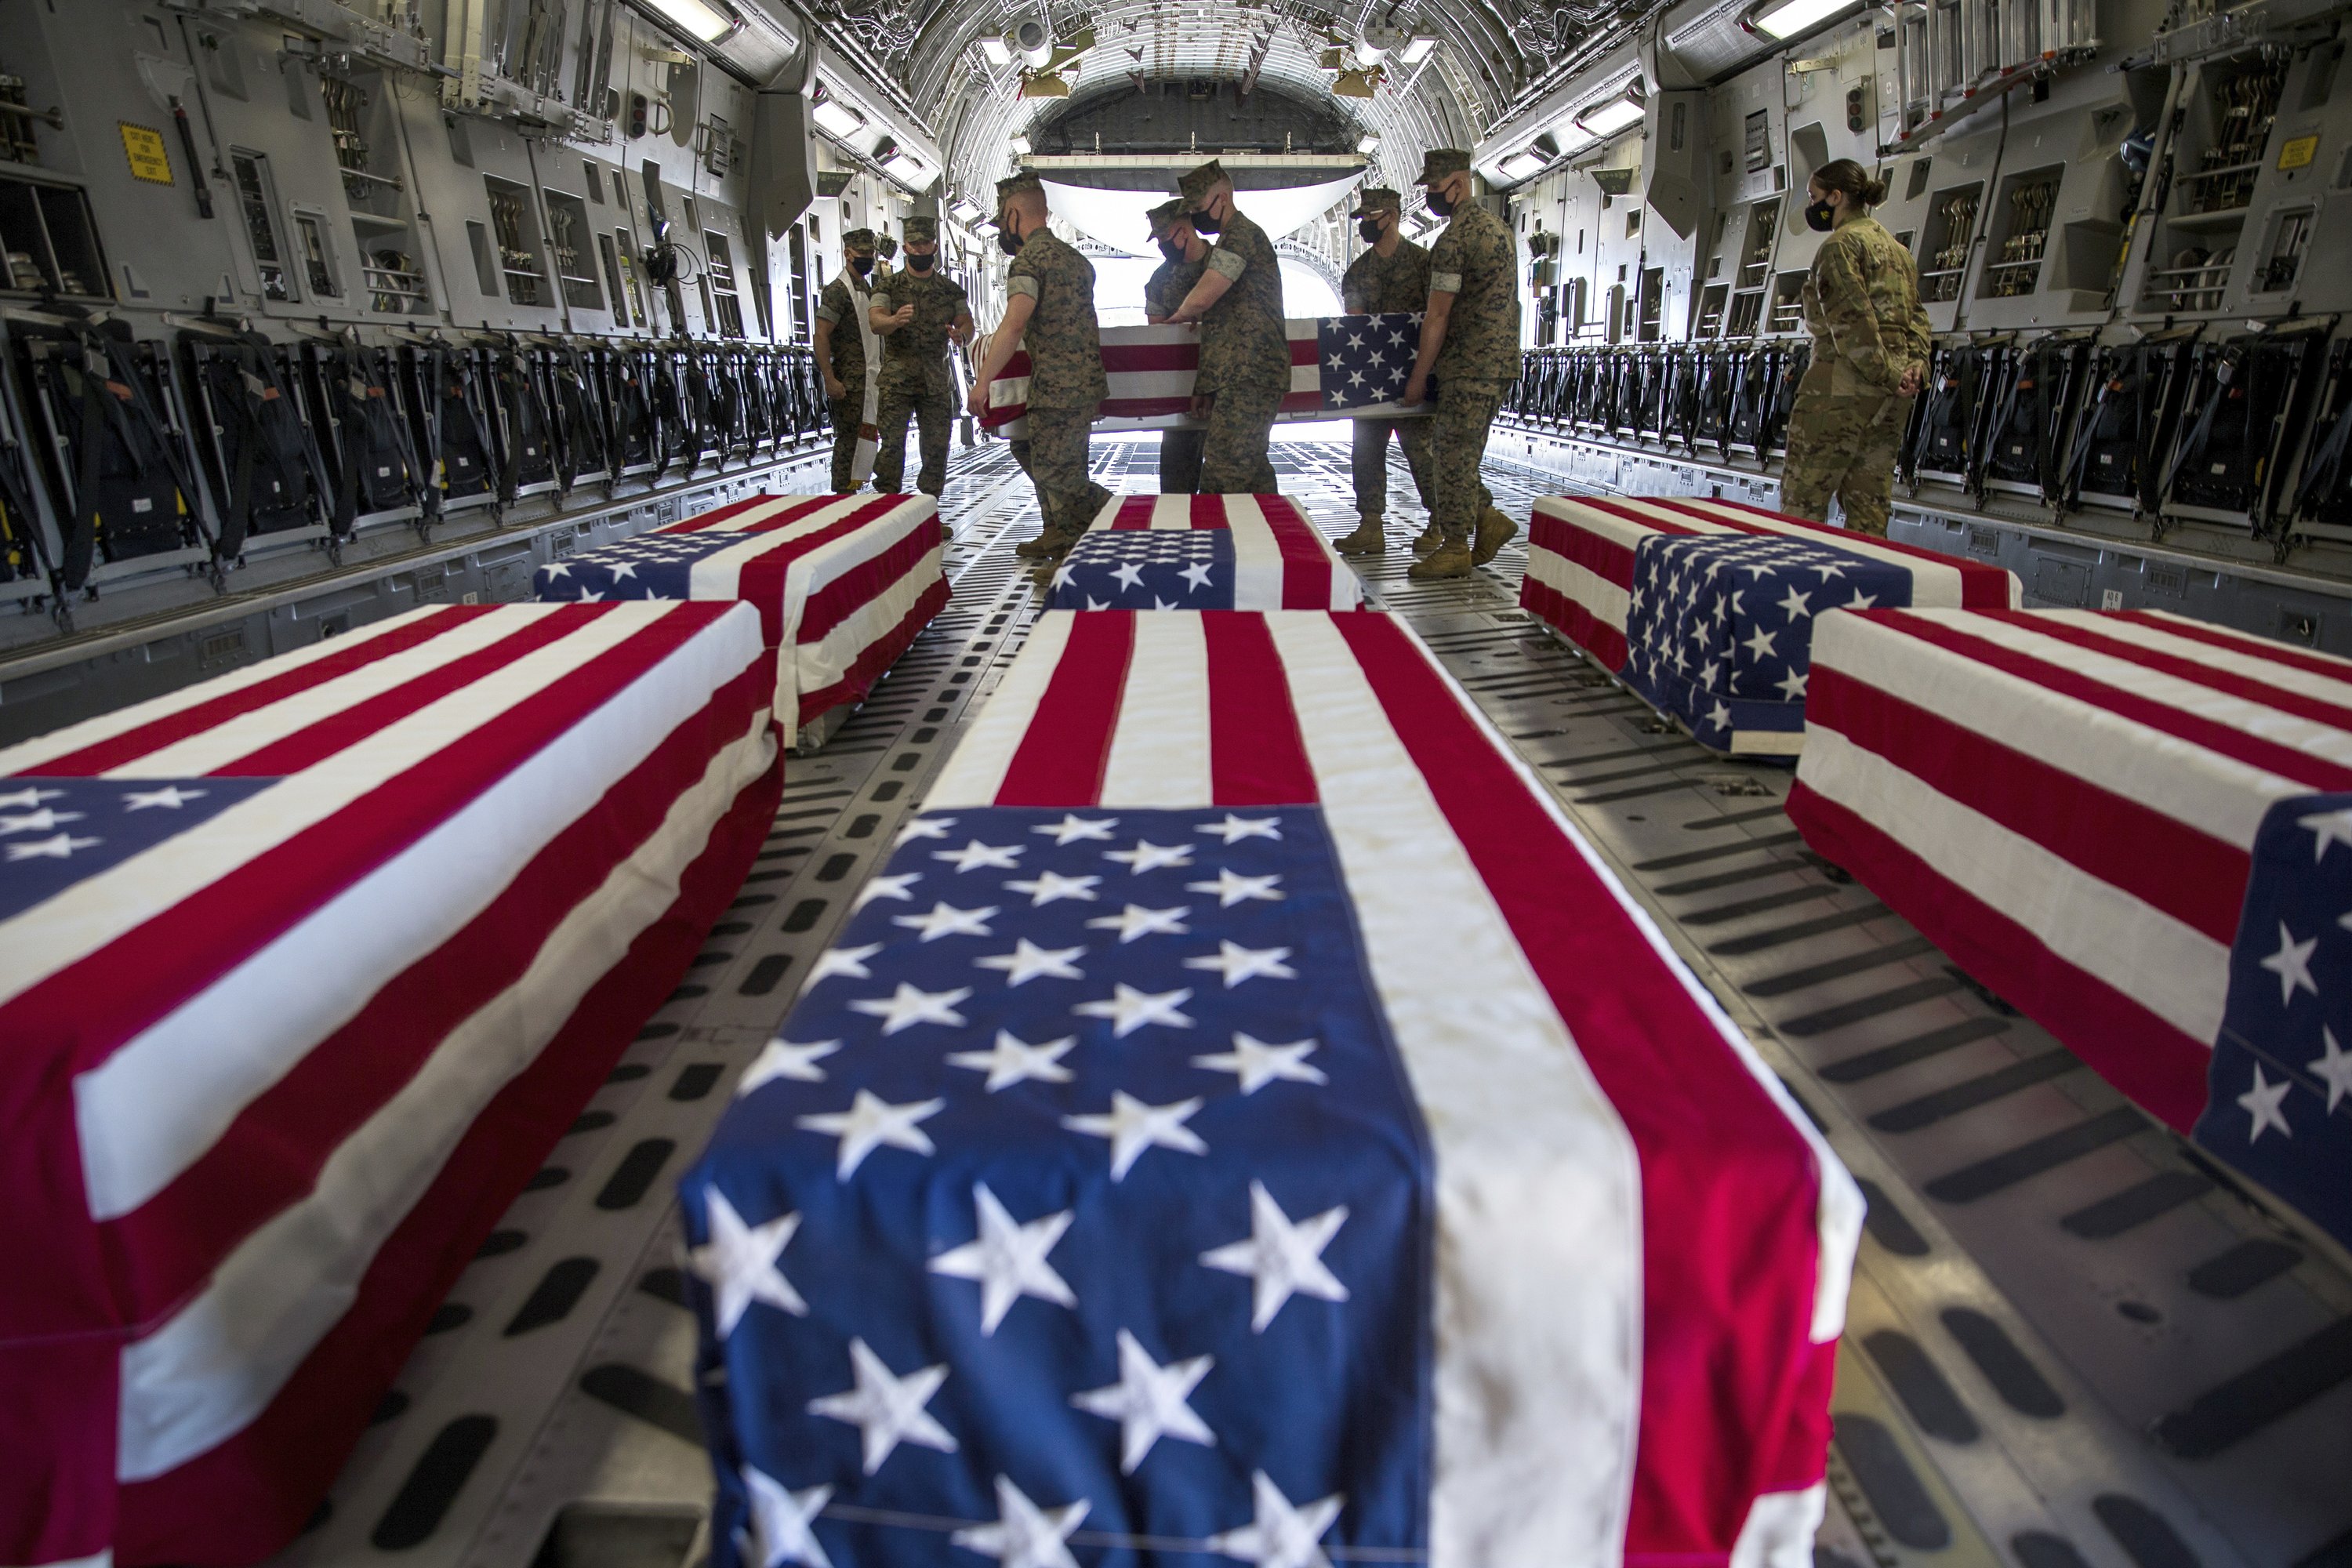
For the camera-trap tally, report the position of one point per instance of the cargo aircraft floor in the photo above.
(2071, 1341)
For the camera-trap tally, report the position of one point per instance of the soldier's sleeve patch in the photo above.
(1021, 283)
(1445, 282)
(1227, 265)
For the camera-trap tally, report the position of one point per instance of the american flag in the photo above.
(1339, 365)
(1707, 608)
(843, 583)
(307, 967)
(1203, 552)
(1230, 1124)
(2067, 802)
(2276, 1103)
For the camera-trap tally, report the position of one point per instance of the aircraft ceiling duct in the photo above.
(1703, 41)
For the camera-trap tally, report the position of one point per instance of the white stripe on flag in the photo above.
(975, 771)
(157, 1103)
(1257, 558)
(1159, 750)
(813, 665)
(1578, 585)
(221, 1359)
(2250, 662)
(1170, 511)
(1533, 1165)
(1934, 584)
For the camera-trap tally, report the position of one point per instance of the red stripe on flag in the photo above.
(1135, 511)
(2162, 717)
(1639, 520)
(1579, 624)
(83, 1012)
(1305, 559)
(1729, 1401)
(314, 743)
(1302, 403)
(1208, 511)
(2252, 646)
(1256, 756)
(759, 581)
(722, 519)
(877, 656)
(247, 1499)
(2164, 863)
(170, 729)
(2335, 715)
(868, 580)
(1982, 587)
(1141, 359)
(1067, 744)
(2146, 1056)
(270, 1154)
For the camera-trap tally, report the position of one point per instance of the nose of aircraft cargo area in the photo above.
(1139, 783)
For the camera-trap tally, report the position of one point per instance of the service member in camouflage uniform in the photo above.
(1186, 257)
(1049, 308)
(1391, 276)
(919, 313)
(1244, 352)
(1870, 354)
(1470, 344)
(841, 350)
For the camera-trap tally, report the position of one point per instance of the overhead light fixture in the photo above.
(909, 171)
(996, 51)
(1031, 42)
(835, 118)
(1524, 164)
(1784, 19)
(1610, 118)
(1369, 142)
(1020, 145)
(1416, 51)
(708, 23)
(965, 209)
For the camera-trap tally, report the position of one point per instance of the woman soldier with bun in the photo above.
(1870, 354)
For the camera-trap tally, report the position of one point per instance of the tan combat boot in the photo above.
(1428, 539)
(1046, 545)
(1450, 559)
(1370, 538)
(1495, 531)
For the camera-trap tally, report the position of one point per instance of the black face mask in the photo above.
(1821, 217)
(861, 264)
(1371, 230)
(1206, 222)
(919, 263)
(1439, 204)
(1171, 250)
(1008, 242)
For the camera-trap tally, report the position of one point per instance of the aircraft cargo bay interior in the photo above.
(747, 817)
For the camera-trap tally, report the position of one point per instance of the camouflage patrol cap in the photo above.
(857, 239)
(1196, 185)
(1021, 185)
(1166, 215)
(1377, 199)
(1441, 163)
(923, 230)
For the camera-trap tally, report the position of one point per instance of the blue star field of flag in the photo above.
(650, 567)
(1720, 633)
(1366, 358)
(2279, 1091)
(1081, 1206)
(55, 832)
(1146, 569)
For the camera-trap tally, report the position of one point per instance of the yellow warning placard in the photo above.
(2297, 151)
(144, 148)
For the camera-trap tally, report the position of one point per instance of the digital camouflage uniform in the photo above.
(1244, 354)
(843, 303)
(1377, 285)
(1065, 380)
(1862, 302)
(1476, 261)
(1180, 450)
(916, 378)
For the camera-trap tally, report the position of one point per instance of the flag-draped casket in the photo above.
(1341, 367)
(843, 583)
(302, 971)
(1244, 1116)
(1203, 552)
(1707, 608)
(2125, 823)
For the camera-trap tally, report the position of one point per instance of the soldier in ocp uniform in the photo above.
(1049, 308)
(841, 350)
(1185, 255)
(918, 311)
(1470, 344)
(1245, 351)
(1392, 276)
(1870, 354)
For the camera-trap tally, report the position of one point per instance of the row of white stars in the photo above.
(2265, 1102)
(63, 845)
(1128, 574)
